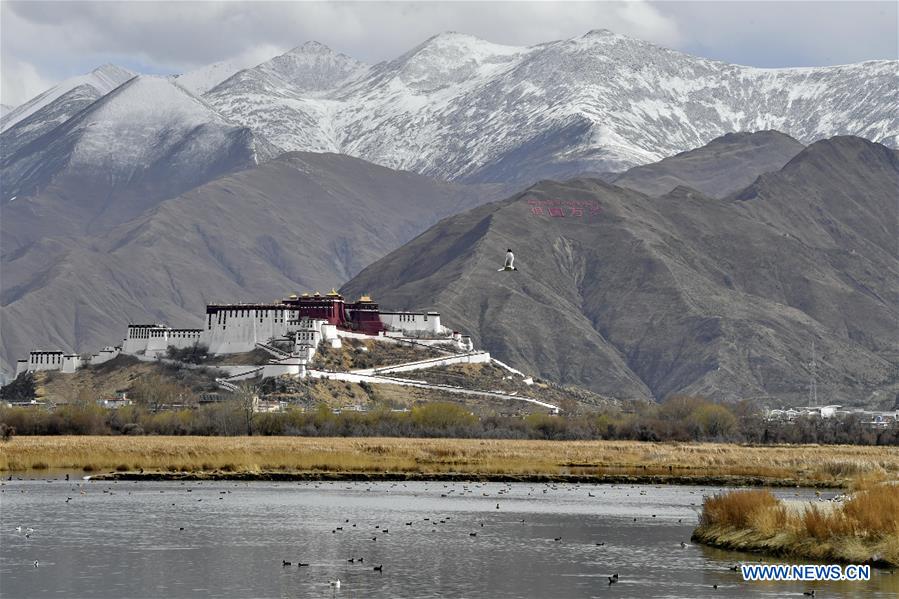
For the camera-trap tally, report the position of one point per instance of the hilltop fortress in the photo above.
(305, 321)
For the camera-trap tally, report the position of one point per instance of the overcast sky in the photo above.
(42, 43)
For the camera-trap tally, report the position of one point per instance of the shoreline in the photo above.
(646, 479)
(750, 541)
(399, 458)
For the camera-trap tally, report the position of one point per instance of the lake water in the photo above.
(125, 540)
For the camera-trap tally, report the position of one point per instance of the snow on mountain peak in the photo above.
(143, 123)
(111, 75)
(149, 98)
(313, 67)
(311, 47)
(102, 80)
(595, 34)
(451, 58)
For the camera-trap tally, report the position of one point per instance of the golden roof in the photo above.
(333, 293)
(316, 294)
(365, 298)
(293, 296)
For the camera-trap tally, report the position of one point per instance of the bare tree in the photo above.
(247, 398)
(155, 392)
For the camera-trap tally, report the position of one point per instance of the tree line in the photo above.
(681, 418)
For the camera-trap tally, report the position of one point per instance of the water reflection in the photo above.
(125, 539)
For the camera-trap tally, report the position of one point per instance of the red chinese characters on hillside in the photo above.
(564, 208)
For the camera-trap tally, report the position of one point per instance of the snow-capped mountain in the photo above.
(147, 140)
(461, 108)
(98, 82)
(201, 80)
(287, 97)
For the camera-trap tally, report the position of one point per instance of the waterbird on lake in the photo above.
(735, 568)
(285, 563)
(600, 544)
(35, 564)
(334, 583)
(682, 544)
(472, 534)
(714, 586)
(557, 539)
(379, 568)
(612, 580)
(809, 593)
(302, 565)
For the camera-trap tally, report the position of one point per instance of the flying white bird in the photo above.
(509, 263)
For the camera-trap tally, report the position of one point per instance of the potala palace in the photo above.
(305, 320)
(291, 331)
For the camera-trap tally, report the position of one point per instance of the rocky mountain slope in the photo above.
(299, 222)
(723, 166)
(635, 296)
(461, 108)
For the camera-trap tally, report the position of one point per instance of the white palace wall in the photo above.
(234, 330)
(413, 322)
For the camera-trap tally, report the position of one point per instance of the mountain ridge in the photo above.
(692, 294)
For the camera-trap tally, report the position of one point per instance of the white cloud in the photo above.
(19, 81)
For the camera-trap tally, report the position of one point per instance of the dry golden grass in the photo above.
(864, 528)
(805, 464)
(736, 509)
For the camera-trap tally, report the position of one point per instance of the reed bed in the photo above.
(808, 464)
(862, 529)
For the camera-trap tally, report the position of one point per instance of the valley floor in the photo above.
(300, 458)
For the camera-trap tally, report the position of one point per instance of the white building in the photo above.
(413, 323)
(155, 339)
